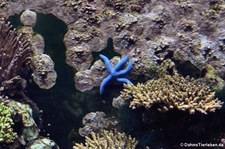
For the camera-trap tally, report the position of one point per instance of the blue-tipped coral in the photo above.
(115, 73)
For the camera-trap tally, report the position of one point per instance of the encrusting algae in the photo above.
(169, 92)
(107, 140)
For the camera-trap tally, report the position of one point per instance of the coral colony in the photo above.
(115, 73)
(170, 92)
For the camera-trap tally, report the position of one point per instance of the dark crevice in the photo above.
(188, 69)
(108, 51)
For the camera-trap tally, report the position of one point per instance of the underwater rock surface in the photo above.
(186, 36)
(95, 122)
(181, 30)
(42, 143)
(44, 74)
(42, 65)
(28, 18)
(30, 130)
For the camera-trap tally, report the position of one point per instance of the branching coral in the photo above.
(107, 140)
(6, 132)
(14, 61)
(15, 52)
(170, 92)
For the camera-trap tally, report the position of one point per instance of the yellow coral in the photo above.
(6, 132)
(107, 140)
(170, 92)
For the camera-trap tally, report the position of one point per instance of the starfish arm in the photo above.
(121, 63)
(107, 63)
(128, 68)
(104, 82)
(124, 80)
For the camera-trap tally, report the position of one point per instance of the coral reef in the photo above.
(13, 87)
(28, 18)
(150, 71)
(29, 129)
(184, 31)
(16, 53)
(107, 140)
(42, 65)
(89, 78)
(38, 44)
(16, 56)
(95, 122)
(44, 143)
(189, 32)
(115, 73)
(7, 135)
(27, 134)
(145, 63)
(44, 74)
(170, 92)
(15, 62)
(77, 55)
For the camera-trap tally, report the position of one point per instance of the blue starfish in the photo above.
(115, 72)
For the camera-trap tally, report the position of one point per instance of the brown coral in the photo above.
(14, 63)
(172, 92)
(15, 52)
(107, 140)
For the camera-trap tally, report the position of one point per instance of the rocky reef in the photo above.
(15, 62)
(44, 74)
(155, 30)
(90, 78)
(177, 47)
(188, 32)
(42, 65)
(95, 122)
(17, 123)
(44, 143)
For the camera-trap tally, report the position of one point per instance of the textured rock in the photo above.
(38, 44)
(183, 31)
(95, 122)
(42, 143)
(42, 63)
(44, 74)
(118, 102)
(45, 80)
(28, 18)
(84, 80)
(26, 30)
(79, 57)
(89, 78)
(30, 130)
